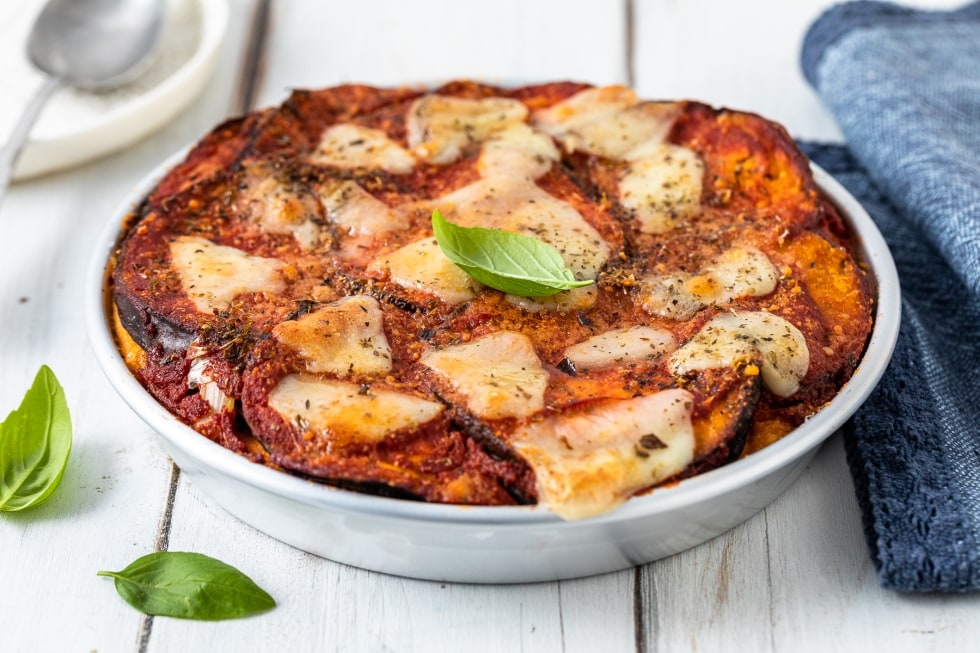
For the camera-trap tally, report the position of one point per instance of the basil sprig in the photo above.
(35, 441)
(189, 586)
(510, 262)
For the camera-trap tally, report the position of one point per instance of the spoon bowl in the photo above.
(90, 44)
(95, 44)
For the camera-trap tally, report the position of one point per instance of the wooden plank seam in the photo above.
(162, 543)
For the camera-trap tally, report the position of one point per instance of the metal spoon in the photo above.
(91, 44)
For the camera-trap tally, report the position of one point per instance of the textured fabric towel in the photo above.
(904, 87)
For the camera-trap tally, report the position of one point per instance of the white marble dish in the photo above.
(499, 544)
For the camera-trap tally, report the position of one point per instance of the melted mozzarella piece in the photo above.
(348, 411)
(608, 121)
(576, 299)
(499, 374)
(422, 266)
(517, 151)
(523, 207)
(277, 208)
(212, 275)
(358, 212)
(625, 134)
(568, 118)
(344, 337)
(737, 272)
(440, 126)
(353, 146)
(588, 462)
(662, 187)
(729, 339)
(619, 346)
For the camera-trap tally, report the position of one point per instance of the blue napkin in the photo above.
(904, 86)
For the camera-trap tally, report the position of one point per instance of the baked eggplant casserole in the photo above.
(290, 292)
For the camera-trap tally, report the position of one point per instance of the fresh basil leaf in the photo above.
(35, 441)
(510, 262)
(189, 586)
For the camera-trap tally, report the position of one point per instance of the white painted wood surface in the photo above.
(797, 577)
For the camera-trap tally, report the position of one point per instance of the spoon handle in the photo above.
(10, 151)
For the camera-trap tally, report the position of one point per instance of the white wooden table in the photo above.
(797, 577)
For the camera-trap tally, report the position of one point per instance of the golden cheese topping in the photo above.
(566, 301)
(570, 120)
(500, 375)
(663, 187)
(517, 151)
(212, 275)
(277, 208)
(353, 146)
(737, 272)
(422, 266)
(440, 126)
(590, 461)
(344, 411)
(619, 346)
(358, 212)
(729, 340)
(344, 337)
(609, 121)
(611, 130)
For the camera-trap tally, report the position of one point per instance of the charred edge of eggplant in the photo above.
(779, 402)
(519, 497)
(475, 429)
(129, 222)
(744, 423)
(352, 286)
(567, 366)
(148, 329)
(732, 448)
(241, 428)
(374, 488)
(303, 306)
(736, 444)
(576, 167)
(253, 131)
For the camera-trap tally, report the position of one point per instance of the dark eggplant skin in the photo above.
(725, 426)
(149, 329)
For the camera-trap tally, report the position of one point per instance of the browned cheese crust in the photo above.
(269, 186)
